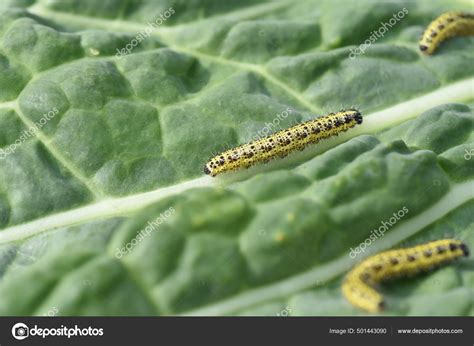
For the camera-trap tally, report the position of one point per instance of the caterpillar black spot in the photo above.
(283, 142)
(359, 284)
(447, 25)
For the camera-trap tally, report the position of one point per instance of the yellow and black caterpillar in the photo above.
(447, 25)
(283, 142)
(358, 286)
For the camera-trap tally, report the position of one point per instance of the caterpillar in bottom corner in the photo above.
(359, 285)
(447, 25)
(283, 142)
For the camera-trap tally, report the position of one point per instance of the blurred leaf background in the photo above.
(134, 128)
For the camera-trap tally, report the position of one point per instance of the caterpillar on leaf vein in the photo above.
(281, 143)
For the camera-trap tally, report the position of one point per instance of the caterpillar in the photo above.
(282, 142)
(359, 285)
(447, 25)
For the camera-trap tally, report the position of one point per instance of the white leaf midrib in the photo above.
(107, 208)
(121, 206)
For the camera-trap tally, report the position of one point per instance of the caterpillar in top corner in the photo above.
(447, 25)
(359, 285)
(283, 142)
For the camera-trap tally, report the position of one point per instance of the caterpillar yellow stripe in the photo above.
(447, 25)
(283, 142)
(359, 285)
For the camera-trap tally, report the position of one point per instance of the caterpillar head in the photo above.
(208, 170)
(465, 249)
(358, 118)
(356, 115)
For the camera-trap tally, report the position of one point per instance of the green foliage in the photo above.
(132, 133)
